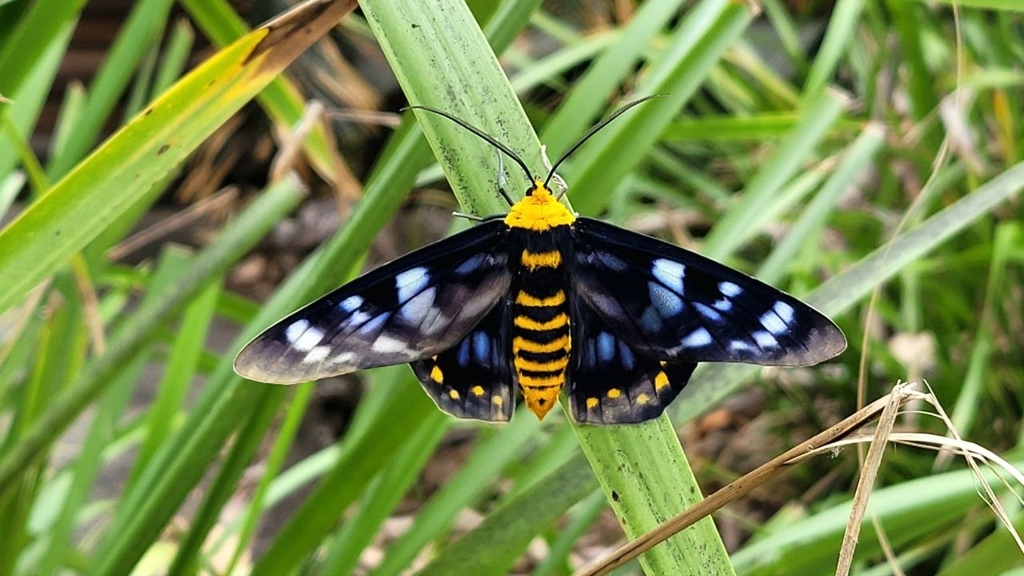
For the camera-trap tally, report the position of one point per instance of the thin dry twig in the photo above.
(744, 485)
(869, 471)
(165, 227)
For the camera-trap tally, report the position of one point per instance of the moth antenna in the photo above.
(501, 178)
(594, 130)
(483, 136)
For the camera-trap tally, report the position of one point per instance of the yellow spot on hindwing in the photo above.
(436, 375)
(534, 260)
(643, 399)
(539, 211)
(524, 299)
(497, 400)
(520, 343)
(530, 324)
(454, 394)
(477, 390)
(614, 393)
(661, 380)
(592, 402)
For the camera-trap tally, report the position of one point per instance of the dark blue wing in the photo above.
(473, 379)
(671, 304)
(610, 382)
(411, 308)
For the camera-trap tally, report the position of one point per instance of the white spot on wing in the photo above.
(317, 355)
(350, 304)
(359, 318)
(669, 272)
(741, 346)
(667, 303)
(295, 331)
(309, 339)
(722, 305)
(389, 345)
(773, 323)
(373, 325)
(699, 338)
(765, 340)
(729, 289)
(345, 358)
(709, 313)
(785, 311)
(411, 282)
(416, 309)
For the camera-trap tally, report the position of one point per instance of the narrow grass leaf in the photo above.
(696, 47)
(62, 409)
(139, 35)
(100, 189)
(386, 492)
(758, 204)
(589, 95)
(475, 477)
(907, 511)
(496, 543)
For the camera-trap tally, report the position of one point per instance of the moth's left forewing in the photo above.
(411, 308)
(673, 304)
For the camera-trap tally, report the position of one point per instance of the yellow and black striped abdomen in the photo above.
(540, 324)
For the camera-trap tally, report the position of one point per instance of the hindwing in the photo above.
(473, 378)
(610, 382)
(412, 308)
(671, 304)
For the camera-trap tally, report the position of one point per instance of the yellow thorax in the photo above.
(539, 211)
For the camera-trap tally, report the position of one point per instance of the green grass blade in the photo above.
(811, 223)
(494, 545)
(363, 457)
(907, 511)
(476, 476)
(181, 368)
(386, 492)
(42, 23)
(696, 46)
(842, 26)
(233, 242)
(115, 176)
(589, 95)
(139, 34)
(647, 480)
(758, 203)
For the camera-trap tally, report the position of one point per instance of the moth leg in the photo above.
(560, 185)
(501, 179)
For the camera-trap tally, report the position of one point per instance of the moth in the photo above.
(538, 300)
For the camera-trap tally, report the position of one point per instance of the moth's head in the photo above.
(539, 210)
(538, 188)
